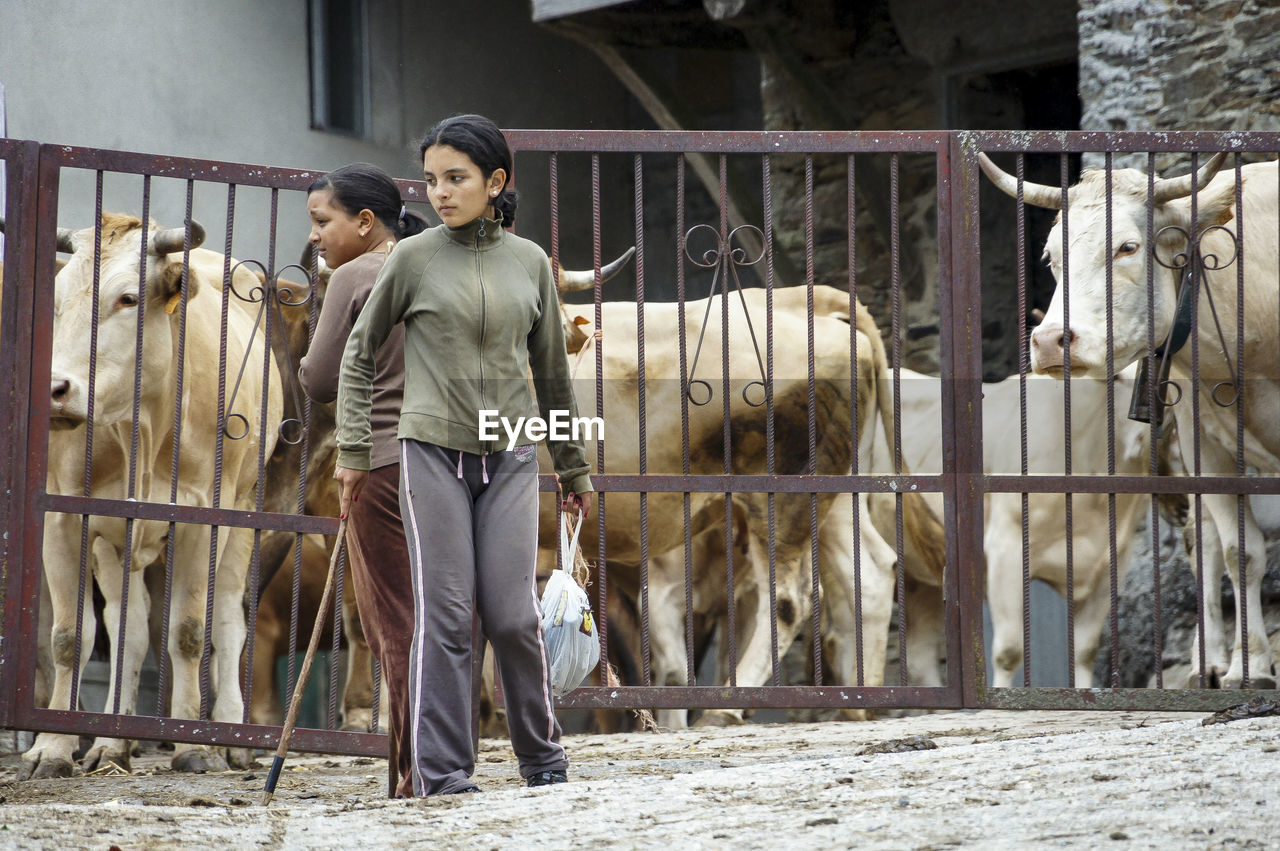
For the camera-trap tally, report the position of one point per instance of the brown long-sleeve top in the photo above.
(349, 289)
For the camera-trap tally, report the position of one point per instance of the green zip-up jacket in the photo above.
(480, 313)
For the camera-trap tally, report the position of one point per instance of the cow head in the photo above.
(115, 311)
(570, 280)
(1082, 274)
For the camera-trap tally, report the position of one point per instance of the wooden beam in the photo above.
(665, 108)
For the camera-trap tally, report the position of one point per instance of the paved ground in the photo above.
(995, 780)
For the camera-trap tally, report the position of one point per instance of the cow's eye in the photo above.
(1126, 249)
(127, 300)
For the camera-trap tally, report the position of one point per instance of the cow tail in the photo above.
(921, 526)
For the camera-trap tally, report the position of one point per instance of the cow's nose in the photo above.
(59, 389)
(1048, 344)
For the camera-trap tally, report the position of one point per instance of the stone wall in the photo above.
(1165, 65)
(1178, 65)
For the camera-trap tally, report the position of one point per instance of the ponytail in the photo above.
(409, 223)
(505, 204)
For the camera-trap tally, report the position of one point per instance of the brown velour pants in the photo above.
(384, 592)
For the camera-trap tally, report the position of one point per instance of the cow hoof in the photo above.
(1212, 679)
(717, 718)
(198, 761)
(241, 758)
(104, 757)
(1235, 681)
(45, 768)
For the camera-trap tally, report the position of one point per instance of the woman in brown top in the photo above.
(356, 218)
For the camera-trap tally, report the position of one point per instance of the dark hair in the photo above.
(364, 186)
(480, 139)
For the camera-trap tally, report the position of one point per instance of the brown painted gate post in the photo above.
(962, 399)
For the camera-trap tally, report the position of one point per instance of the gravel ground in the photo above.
(994, 780)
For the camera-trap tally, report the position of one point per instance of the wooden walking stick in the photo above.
(301, 685)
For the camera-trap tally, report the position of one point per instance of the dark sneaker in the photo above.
(546, 778)
(462, 790)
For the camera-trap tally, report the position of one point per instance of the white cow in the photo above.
(1045, 405)
(117, 307)
(750, 511)
(1239, 240)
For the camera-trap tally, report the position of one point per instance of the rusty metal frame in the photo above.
(27, 514)
(962, 354)
(32, 195)
(1154, 699)
(21, 159)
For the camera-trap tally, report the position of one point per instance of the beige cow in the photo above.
(120, 301)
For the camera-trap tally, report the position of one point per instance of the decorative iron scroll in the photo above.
(1194, 263)
(291, 428)
(725, 258)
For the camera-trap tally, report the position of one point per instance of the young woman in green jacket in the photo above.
(480, 313)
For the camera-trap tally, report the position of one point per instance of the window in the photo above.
(339, 49)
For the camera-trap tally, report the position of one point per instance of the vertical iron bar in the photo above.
(726, 260)
(177, 448)
(1193, 259)
(645, 653)
(855, 437)
(681, 332)
(1243, 566)
(770, 453)
(812, 425)
(895, 265)
(602, 566)
(1153, 430)
(1066, 420)
(1022, 422)
(1113, 572)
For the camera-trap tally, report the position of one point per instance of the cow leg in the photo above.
(229, 634)
(186, 641)
(667, 630)
(127, 651)
(844, 593)
(270, 640)
(1002, 543)
(1224, 511)
(1216, 657)
(50, 755)
(755, 616)
(44, 648)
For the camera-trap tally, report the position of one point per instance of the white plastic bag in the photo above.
(568, 627)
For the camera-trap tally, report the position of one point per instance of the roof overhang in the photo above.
(549, 10)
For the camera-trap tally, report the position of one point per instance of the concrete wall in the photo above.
(230, 81)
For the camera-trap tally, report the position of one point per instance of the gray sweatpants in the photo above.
(472, 528)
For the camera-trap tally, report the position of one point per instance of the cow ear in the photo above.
(170, 283)
(1216, 206)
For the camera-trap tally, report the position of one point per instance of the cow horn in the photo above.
(64, 238)
(1035, 194)
(574, 281)
(170, 240)
(1171, 188)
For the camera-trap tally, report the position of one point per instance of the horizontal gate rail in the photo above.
(951, 184)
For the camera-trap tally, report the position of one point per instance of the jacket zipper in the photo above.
(480, 282)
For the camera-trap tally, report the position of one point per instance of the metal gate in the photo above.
(745, 458)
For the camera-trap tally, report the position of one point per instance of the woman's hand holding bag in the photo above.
(568, 627)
